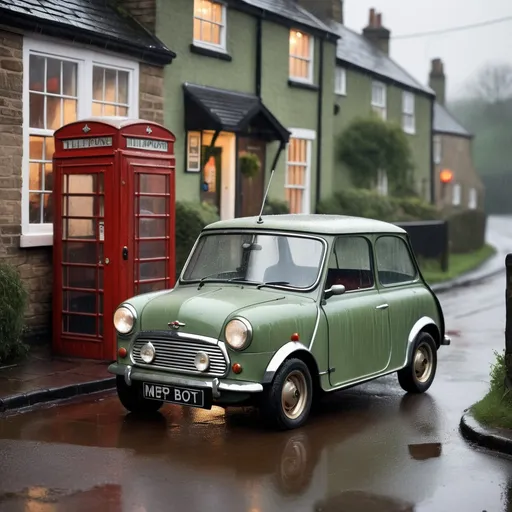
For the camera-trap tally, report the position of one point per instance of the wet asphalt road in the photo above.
(367, 449)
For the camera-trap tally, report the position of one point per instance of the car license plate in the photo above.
(201, 398)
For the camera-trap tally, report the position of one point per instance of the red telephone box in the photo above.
(114, 203)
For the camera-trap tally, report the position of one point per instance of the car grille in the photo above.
(178, 355)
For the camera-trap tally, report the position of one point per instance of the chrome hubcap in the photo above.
(423, 362)
(294, 395)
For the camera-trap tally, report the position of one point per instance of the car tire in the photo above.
(286, 403)
(132, 399)
(419, 374)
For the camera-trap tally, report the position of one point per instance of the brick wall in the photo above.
(34, 265)
(456, 155)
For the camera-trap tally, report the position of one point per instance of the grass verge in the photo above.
(495, 409)
(458, 264)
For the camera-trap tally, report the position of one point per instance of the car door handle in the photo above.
(383, 306)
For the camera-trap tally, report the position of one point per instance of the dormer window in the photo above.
(210, 24)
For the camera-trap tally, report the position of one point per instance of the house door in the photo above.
(85, 271)
(252, 189)
(212, 177)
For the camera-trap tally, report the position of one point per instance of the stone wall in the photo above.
(144, 11)
(34, 265)
(151, 99)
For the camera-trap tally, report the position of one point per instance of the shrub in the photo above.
(13, 302)
(369, 204)
(467, 230)
(191, 218)
(276, 207)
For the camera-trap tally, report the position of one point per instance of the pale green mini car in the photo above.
(278, 311)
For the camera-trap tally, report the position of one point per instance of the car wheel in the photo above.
(287, 402)
(132, 399)
(418, 376)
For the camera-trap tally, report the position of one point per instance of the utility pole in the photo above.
(508, 325)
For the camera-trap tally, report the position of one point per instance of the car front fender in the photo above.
(280, 356)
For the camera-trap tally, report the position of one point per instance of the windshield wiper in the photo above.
(271, 283)
(218, 274)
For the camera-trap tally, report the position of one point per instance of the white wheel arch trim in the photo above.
(279, 357)
(417, 328)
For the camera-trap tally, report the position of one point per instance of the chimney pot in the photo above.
(371, 22)
(379, 20)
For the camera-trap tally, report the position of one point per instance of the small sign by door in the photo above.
(101, 230)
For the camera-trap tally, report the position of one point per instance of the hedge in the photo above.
(13, 303)
(467, 230)
(367, 203)
(191, 218)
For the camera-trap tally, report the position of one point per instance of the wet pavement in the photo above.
(367, 449)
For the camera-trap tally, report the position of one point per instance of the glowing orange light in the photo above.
(446, 176)
(295, 336)
(122, 352)
(237, 368)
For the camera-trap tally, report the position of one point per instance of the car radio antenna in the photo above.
(281, 149)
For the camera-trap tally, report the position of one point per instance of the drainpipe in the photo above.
(432, 163)
(259, 55)
(319, 125)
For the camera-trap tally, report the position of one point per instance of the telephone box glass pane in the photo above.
(152, 249)
(82, 253)
(152, 287)
(154, 184)
(150, 228)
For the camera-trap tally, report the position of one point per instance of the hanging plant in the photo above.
(250, 164)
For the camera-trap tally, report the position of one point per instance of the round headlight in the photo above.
(238, 333)
(124, 318)
(202, 361)
(147, 353)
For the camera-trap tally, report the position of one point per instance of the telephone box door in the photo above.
(149, 251)
(86, 230)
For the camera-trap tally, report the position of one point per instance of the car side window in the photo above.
(350, 264)
(394, 262)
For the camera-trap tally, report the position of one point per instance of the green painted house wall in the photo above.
(357, 104)
(174, 26)
(295, 108)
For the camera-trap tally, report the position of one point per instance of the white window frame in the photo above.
(38, 235)
(473, 199)
(380, 107)
(340, 81)
(311, 60)
(438, 149)
(456, 194)
(223, 29)
(409, 112)
(309, 136)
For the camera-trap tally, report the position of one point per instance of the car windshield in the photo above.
(286, 260)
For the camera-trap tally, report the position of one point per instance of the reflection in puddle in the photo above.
(425, 451)
(359, 501)
(42, 499)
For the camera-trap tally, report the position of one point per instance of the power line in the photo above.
(454, 29)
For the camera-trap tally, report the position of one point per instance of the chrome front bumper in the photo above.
(131, 373)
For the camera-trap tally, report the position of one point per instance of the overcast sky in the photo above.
(462, 52)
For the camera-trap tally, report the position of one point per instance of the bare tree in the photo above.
(493, 83)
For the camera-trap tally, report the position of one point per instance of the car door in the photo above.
(358, 332)
(401, 289)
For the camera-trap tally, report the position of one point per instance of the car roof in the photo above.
(314, 223)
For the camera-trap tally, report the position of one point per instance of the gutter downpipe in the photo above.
(319, 126)
(259, 55)
(432, 163)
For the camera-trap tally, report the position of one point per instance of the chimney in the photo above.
(376, 33)
(437, 80)
(326, 10)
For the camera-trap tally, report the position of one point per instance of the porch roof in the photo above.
(208, 108)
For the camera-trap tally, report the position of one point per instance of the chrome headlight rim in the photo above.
(248, 338)
(132, 311)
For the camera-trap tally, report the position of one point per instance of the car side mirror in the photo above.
(335, 289)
